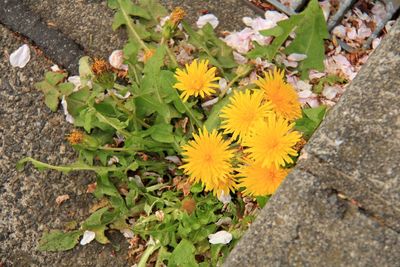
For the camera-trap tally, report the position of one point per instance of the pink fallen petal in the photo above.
(208, 18)
(339, 31)
(116, 60)
(330, 92)
(68, 117)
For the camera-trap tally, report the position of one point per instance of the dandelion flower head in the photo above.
(271, 141)
(207, 159)
(244, 109)
(281, 95)
(196, 79)
(258, 180)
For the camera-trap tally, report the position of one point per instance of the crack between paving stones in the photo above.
(362, 210)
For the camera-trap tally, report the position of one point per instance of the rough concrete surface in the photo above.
(340, 206)
(27, 199)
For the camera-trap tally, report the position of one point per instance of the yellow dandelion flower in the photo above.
(242, 112)
(224, 187)
(196, 80)
(258, 180)
(271, 141)
(282, 96)
(207, 160)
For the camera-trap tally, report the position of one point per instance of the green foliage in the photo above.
(330, 80)
(131, 125)
(57, 240)
(53, 88)
(310, 29)
(310, 121)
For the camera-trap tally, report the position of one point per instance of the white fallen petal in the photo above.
(364, 32)
(76, 80)
(330, 92)
(289, 63)
(113, 160)
(303, 86)
(339, 31)
(20, 57)
(222, 84)
(274, 16)
(68, 116)
(210, 102)
(88, 237)
(128, 233)
(316, 74)
(220, 237)
(326, 8)
(116, 60)
(224, 198)
(239, 58)
(241, 41)
(173, 159)
(208, 18)
(55, 68)
(376, 42)
(296, 57)
(305, 94)
(351, 33)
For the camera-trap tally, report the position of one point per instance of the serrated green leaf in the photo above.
(52, 99)
(162, 133)
(183, 255)
(57, 240)
(213, 120)
(310, 35)
(310, 28)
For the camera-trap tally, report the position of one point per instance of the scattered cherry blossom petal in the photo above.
(20, 57)
(61, 199)
(296, 57)
(174, 159)
(210, 102)
(113, 160)
(241, 41)
(220, 237)
(239, 58)
(55, 68)
(326, 8)
(208, 18)
(330, 92)
(116, 60)
(68, 117)
(339, 31)
(88, 236)
(316, 74)
(128, 233)
(224, 198)
(376, 42)
(76, 80)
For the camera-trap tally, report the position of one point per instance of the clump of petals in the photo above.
(258, 180)
(281, 95)
(271, 141)
(207, 160)
(244, 109)
(196, 79)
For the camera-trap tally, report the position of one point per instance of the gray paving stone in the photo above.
(307, 224)
(27, 199)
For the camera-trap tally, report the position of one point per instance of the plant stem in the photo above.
(147, 253)
(131, 28)
(172, 57)
(191, 115)
(229, 85)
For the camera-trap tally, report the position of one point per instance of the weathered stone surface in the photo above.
(307, 224)
(27, 199)
(361, 138)
(340, 206)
